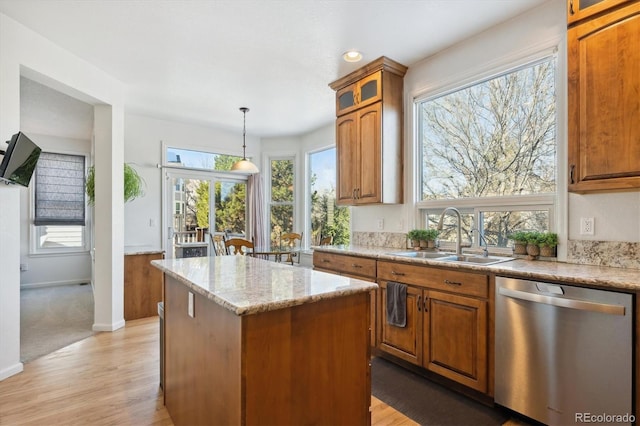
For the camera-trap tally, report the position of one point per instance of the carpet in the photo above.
(426, 402)
(54, 317)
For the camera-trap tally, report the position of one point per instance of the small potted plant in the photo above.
(533, 243)
(519, 242)
(431, 235)
(548, 243)
(414, 236)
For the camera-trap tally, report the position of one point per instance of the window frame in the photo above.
(548, 201)
(36, 232)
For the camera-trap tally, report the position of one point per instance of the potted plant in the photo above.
(519, 242)
(548, 243)
(414, 236)
(533, 243)
(431, 235)
(133, 184)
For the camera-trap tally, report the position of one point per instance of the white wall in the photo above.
(143, 149)
(24, 52)
(51, 269)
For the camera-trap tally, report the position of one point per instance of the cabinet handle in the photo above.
(358, 193)
(353, 194)
(426, 306)
(419, 304)
(571, 11)
(571, 171)
(452, 282)
(397, 273)
(326, 261)
(354, 265)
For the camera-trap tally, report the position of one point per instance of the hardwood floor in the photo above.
(106, 379)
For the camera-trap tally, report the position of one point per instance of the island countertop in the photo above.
(245, 285)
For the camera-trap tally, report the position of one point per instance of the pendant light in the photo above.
(244, 165)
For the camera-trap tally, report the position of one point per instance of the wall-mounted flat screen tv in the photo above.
(19, 160)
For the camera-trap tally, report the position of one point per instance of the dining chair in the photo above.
(291, 241)
(217, 241)
(240, 246)
(326, 241)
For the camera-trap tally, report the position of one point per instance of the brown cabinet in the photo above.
(604, 101)
(578, 10)
(447, 328)
(142, 285)
(361, 268)
(369, 124)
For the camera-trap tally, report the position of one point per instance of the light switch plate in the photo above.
(190, 309)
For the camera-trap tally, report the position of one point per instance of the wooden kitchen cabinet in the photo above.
(447, 322)
(358, 267)
(142, 285)
(604, 105)
(369, 126)
(578, 10)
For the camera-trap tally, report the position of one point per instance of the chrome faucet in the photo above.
(485, 250)
(457, 212)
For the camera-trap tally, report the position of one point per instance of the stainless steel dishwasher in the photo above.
(563, 354)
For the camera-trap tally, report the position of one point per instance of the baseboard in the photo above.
(11, 371)
(108, 327)
(54, 283)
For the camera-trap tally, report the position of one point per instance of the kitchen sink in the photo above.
(489, 260)
(420, 254)
(448, 257)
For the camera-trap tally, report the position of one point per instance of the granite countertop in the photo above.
(569, 273)
(245, 285)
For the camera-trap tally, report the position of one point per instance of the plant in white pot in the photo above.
(133, 184)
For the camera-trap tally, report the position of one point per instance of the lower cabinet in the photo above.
(447, 321)
(358, 267)
(142, 285)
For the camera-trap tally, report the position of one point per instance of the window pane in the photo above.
(495, 138)
(60, 189)
(60, 236)
(498, 225)
(200, 159)
(282, 180)
(327, 219)
(281, 221)
(231, 207)
(449, 226)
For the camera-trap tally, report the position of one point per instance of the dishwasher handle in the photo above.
(582, 305)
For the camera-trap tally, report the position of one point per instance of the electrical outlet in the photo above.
(381, 224)
(24, 267)
(587, 226)
(190, 306)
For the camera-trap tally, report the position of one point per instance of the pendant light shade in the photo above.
(244, 165)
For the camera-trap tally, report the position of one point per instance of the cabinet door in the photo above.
(347, 156)
(346, 99)
(581, 9)
(403, 342)
(368, 188)
(455, 329)
(604, 106)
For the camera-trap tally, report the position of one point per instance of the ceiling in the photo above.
(198, 61)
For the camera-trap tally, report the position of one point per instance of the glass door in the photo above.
(194, 201)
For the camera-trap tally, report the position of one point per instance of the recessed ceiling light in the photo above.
(352, 56)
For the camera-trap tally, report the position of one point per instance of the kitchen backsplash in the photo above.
(616, 254)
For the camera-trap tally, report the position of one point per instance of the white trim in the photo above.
(108, 327)
(11, 370)
(55, 283)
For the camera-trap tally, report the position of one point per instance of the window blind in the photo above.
(60, 192)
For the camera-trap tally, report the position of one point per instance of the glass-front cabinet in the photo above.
(578, 10)
(359, 94)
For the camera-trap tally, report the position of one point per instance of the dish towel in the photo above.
(396, 304)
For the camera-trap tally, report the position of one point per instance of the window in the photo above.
(281, 204)
(489, 149)
(327, 219)
(187, 158)
(59, 203)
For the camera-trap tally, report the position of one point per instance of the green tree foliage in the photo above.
(281, 212)
(327, 219)
(202, 204)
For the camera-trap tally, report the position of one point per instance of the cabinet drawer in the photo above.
(351, 265)
(472, 284)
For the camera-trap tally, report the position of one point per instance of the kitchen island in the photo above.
(248, 341)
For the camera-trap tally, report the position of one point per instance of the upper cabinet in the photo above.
(369, 123)
(578, 10)
(604, 98)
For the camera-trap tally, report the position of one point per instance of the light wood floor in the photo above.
(106, 379)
